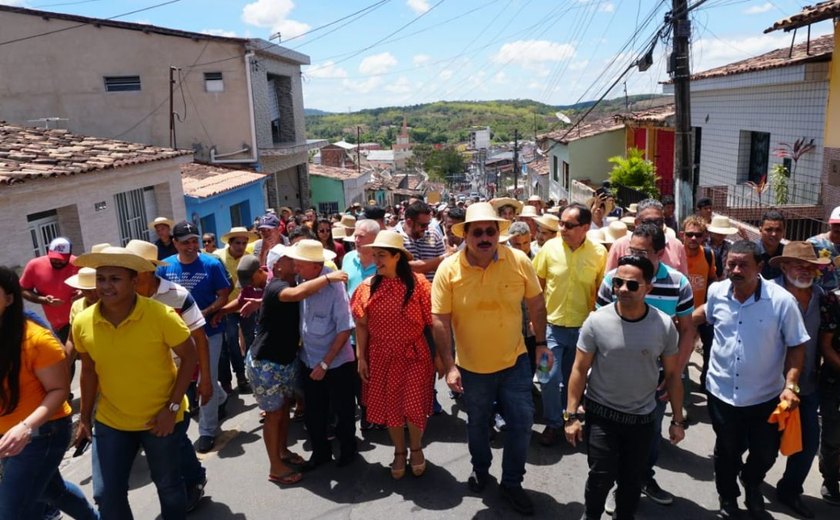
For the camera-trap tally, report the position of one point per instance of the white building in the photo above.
(479, 138)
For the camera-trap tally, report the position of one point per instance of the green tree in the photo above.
(634, 171)
(442, 163)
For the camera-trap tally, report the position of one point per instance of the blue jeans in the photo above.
(656, 439)
(113, 455)
(563, 344)
(208, 417)
(231, 355)
(511, 387)
(799, 464)
(30, 480)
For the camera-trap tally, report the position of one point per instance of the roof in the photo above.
(344, 144)
(808, 15)
(593, 128)
(205, 180)
(332, 172)
(379, 181)
(380, 155)
(539, 166)
(659, 114)
(820, 49)
(31, 153)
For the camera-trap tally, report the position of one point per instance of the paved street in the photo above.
(238, 488)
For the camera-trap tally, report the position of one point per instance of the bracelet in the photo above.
(541, 344)
(682, 424)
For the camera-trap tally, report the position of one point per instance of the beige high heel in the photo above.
(396, 473)
(418, 469)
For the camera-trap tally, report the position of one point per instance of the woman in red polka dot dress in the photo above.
(391, 310)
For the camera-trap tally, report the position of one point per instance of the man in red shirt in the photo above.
(42, 282)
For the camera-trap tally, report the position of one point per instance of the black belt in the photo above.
(610, 414)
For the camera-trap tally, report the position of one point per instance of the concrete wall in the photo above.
(588, 156)
(326, 189)
(354, 190)
(73, 197)
(268, 65)
(789, 103)
(288, 182)
(61, 75)
(218, 206)
(831, 153)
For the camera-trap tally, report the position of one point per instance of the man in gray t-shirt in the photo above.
(619, 346)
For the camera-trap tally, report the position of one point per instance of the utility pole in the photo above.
(681, 73)
(358, 148)
(172, 142)
(515, 162)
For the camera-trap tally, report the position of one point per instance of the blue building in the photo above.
(219, 198)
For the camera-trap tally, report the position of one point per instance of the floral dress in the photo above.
(400, 367)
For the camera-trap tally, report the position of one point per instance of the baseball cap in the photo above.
(274, 254)
(184, 230)
(248, 265)
(835, 216)
(269, 220)
(60, 249)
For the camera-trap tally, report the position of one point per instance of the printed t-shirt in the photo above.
(202, 278)
(39, 275)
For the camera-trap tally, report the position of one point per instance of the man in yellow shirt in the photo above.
(570, 270)
(478, 292)
(126, 342)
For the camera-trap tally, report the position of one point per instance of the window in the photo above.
(43, 228)
(555, 176)
(328, 208)
(281, 113)
(207, 224)
(566, 182)
(753, 155)
(131, 215)
(213, 82)
(122, 83)
(240, 215)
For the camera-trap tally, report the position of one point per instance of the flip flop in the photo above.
(293, 458)
(287, 479)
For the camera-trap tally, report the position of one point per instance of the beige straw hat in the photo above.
(308, 250)
(480, 212)
(115, 257)
(85, 279)
(97, 248)
(391, 240)
(162, 220)
(528, 212)
(721, 226)
(348, 221)
(549, 222)
(615, 231)
(144, 249)
(506, 201)
(239, 231)
(339, 232)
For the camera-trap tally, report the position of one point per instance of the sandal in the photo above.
(292, 458)
(418, 469)
(287, 479)
(398, 473)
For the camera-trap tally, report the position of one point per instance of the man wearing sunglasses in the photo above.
(623, 344)
(650, 211)
(570, 271)
(424, 244)
(478, 292)
(671, 293)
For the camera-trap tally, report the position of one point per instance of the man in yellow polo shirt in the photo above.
(126, 343)
(478, 292)
(570, 269)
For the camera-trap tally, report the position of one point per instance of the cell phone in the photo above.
(81, 448)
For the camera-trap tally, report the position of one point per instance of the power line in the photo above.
(371, 7)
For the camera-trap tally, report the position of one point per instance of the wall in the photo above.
(268, 64)
(78, 219)
(354, 189)
(219, 205)
(53, 78)
(588, 156)
(831, 160)
(288, 182)
(789, 103)
(326, 189)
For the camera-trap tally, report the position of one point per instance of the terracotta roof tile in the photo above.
(599, 126)
(659, 114)
(333, 172)
(204, 180)
(808, 15)
(539, 167)
(820, 49)
(29, 153)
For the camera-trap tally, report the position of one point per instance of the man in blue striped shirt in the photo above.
(672, 295)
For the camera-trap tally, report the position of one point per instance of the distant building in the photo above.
(218, 198)
(479, 138)
(334, 189)
(402, 148)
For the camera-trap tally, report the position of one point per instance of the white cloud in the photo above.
(326, 70)
(445, 74)
(500, 78)
(219, 32)
(534, 55)
(363, 87)
(378, 63)
(421, 59)
(17, 3)
(759, 9)
(401, 86)
(579, 65)
(418, 6)
(273, 14)
(609, 7)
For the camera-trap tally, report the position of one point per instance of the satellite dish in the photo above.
(562, 117)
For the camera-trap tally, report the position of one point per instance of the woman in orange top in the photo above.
(34, 415)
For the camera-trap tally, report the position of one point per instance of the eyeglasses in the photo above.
(690, 234)
(658, 222)
(569, 225)
(637, 252)
(207, 241)
(478, 232)
(324, 230)
(632, 285)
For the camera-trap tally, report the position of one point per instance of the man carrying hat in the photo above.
(42, 282)
(330, 374)
(162, 227)
(209, 284)
(477, 293)
(140, 391)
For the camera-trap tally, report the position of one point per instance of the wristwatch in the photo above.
(324, 365)
(569, 416)
(174, 407)
(793, 387)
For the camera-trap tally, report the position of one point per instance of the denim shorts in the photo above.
(272, 382)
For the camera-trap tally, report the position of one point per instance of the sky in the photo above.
(375, 53)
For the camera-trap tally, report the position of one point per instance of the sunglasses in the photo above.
(569, 225)
(207, 241)
(658, 222)
(691, 234)
(478, 232)
(632, 285)
(637, 252)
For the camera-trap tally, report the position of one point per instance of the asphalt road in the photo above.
(238, 467)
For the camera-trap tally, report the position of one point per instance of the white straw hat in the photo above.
(85, 279)
(308, 250)
(480, 212)
(162, 220)
(115, 257)
(721, 226)
(144, 249)
(391, 240)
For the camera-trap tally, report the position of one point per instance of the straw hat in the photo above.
(97, 248)
(630, 222)
(534, 198)
(799, 251)
(284, 208)
(239, 231)
(480, 212)
(554, 210)
(339, 232)
(348, 221)
(85, 279)
(614, 231)
(161, 220)
(529, 212)
(309, 251)
(115, 257)
(633, 208)
(549, 222)
(144, 249)
(595, 235)
(391, 240)
(721, 226)
(506, 201)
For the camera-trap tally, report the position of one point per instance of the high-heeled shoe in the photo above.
(418, 469)
(398, 473)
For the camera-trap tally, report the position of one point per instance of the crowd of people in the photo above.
(324, 318)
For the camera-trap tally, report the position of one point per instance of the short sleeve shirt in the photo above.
(202, 278)
(278, 329)
(429, 246)
(322, 316)
(39, 275)
(671, 292)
